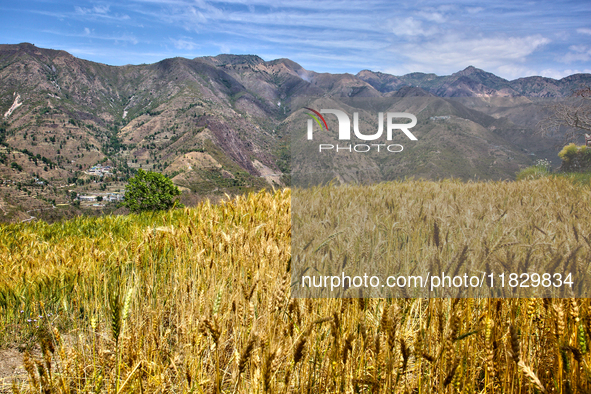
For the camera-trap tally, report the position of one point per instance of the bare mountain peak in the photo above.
(249, 69)
(472, 71)
(421, 75)
(364, 73)
(32, 50)
(227, 59)
(367, 72)
(469, 70)
(25, 45)
(290, 64)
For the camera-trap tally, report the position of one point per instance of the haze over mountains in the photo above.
(223, 123)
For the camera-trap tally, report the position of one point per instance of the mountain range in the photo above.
(224, 124)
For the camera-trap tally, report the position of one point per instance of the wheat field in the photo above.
(198, 300)
(412, 227)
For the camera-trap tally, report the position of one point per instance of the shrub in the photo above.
(568, 152)
(540, 170)
(150, 191)
(575, 158)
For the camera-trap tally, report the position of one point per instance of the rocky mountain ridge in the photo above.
(223, 123)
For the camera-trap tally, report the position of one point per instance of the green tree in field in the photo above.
(150, 191)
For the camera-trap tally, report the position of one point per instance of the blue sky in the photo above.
(509, 38)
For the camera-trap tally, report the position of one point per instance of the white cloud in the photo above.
(446, 7)
(514, 71)
(184, 43)
(432, 16)
(90, 33)
(80, 10)
(577, 53)
(451, 52)
(562, 35)
(474, 10)
(508, 39)
(179, 14)
(99, 11)
(559, 74)
(411, 27)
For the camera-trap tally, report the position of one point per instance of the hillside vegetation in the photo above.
(224, 124)
(198, 300)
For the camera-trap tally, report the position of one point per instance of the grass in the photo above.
(198, 300)
(570, 155)
(582, 178)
